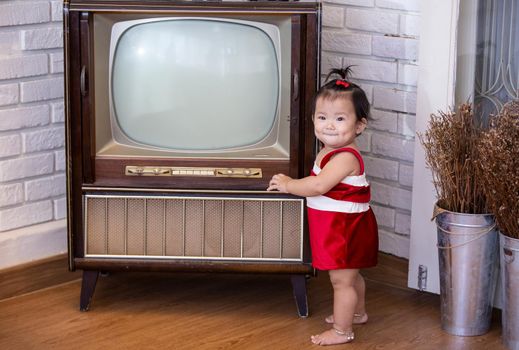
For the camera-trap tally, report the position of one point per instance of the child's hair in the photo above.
(340, 88)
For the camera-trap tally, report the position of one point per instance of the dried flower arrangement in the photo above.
(451, 154)
(498, 165)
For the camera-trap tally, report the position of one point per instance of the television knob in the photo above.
(247, 172)
(229, 171)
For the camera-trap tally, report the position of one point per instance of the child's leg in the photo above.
(360, 316)
(360, 308)
(344, 303)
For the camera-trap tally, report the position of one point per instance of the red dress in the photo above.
(343, 228)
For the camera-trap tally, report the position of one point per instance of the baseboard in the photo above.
(32, 243)
(35, 275)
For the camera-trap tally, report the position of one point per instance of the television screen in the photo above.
(196, 86)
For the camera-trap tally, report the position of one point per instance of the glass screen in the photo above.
(192, 84)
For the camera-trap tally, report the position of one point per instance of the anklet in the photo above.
(349, 335)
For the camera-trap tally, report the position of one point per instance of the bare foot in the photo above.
(332, 337)
(357, 319)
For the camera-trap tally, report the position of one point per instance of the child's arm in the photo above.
(340, 166)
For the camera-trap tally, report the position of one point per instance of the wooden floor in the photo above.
(219, 311)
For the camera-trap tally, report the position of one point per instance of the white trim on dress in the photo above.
(329, 204)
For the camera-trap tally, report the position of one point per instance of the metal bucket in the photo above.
(467, 250)
(509, 253)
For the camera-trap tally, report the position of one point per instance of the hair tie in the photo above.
(340, 82)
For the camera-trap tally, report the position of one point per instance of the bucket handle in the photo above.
(481, 234)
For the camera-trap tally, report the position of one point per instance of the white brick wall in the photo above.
(32, 164)
(16, 12)
(11, 194)
(41, 90)
(23, 66)
(28, 214)
(24, 117)
(42, 140)
(9, 94)
(10, 145)
(380, 38)
(60, 208)
(410, 25)
(405, 5)
(368, 3)
(47, 187)
(372, 20)
(56, 10)
(58, 112)
(59, 157)
(22, 167)
(333, 16)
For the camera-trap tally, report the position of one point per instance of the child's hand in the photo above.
(279, 182)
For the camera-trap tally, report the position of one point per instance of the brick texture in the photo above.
(9, 94)
(60, 208)
(11, 194)
(395, 47)
(24, 117)
(10, 145)
(367, 3)
(23, 66)
(29, 214)
(48, 38)
(394, 99)
(45, 187)
(405, 5)
(380, 38)
(25, 167)
(385, 216)
(342, 42)
(16, 13)
(32, 157)
(333, 16)
(39, 90)
(43, 140)
(56, 11)
(373, 21)
(9, 41)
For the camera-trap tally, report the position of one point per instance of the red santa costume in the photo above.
(343, 228)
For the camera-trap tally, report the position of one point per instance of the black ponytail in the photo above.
(344, 73)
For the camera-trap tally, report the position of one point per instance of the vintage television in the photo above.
(178, 113)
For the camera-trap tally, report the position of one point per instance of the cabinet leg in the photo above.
(299, 289)
(88, 285)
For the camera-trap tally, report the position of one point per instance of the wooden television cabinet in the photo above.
(141, 212)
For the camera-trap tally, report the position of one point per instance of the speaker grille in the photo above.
(222, 228)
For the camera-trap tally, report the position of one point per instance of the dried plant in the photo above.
(450, 153)
(499, 170)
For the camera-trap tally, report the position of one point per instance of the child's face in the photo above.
(335, 122)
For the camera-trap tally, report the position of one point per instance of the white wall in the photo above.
(32, 158)
(380, 37)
